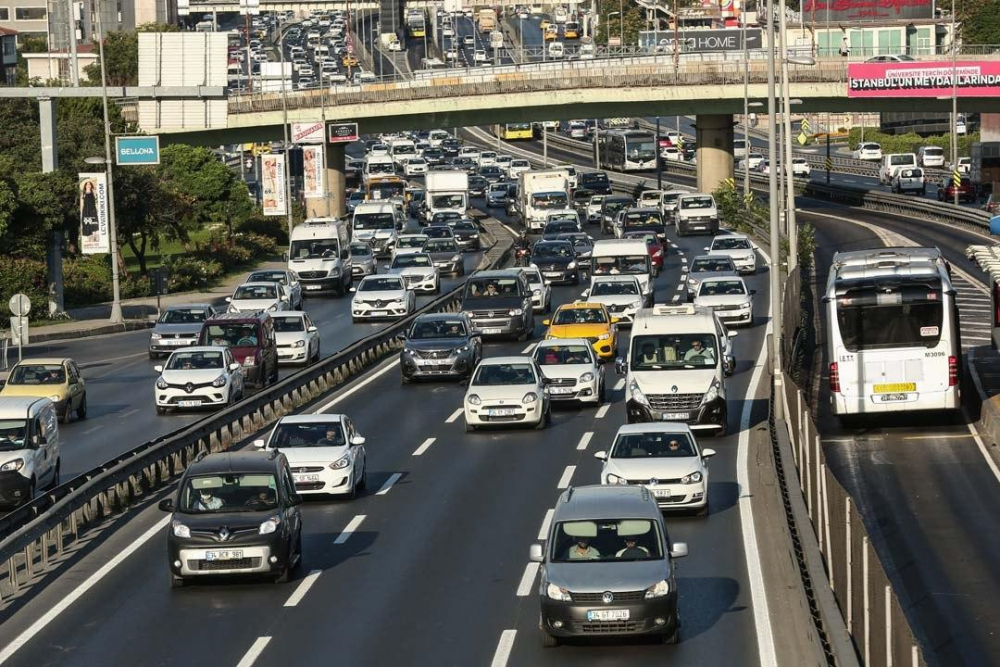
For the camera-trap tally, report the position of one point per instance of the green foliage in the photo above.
(635, 20)
(910, 143)
(269, 226)
(212, 191)
(46, 202)
(980, 21)
(754, 217)
(88, 280)
(26, 276)
(121, 50)
(190, 273)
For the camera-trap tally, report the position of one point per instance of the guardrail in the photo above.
(46, 526)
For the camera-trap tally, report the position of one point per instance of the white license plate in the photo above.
(553, 274)
(313, 288)
(671, 416)
(188, 404)
(431, 362)
(607, 615)
(887, 398)
(502, 412)
(492, 331)
(176, 341)
(561, 390)
(378, 313)
(661, 493)
(225, 554)
(306, 478)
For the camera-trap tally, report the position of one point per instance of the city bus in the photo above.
(627, 150)
(514, 131)
(893, 341)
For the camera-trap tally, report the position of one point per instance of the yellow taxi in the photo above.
(544, 24)
(58, 380)
(571, 31)
(586, 320)
(551, 33)
(349, 60)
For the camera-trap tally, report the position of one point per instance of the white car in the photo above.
(572, 369)
(469, 40)
(708, 266)
(415, 166)
(381, 296)
(663, 457)
(486, 159)
(737, 247)
(251, 297)
(800, 167)
(754, 160)
(964, 165)
(297, 338)
(198, 376)
(621, 295)
(560, 15)
(418, 272)
(325, 452)
(671, 154)
(674, 138)
(289, 281)
(480, 56)
(408, 244)
(541, 291)
(729, 298)
(868, 150)
(507, 390)
(516, 167)
(556, 50)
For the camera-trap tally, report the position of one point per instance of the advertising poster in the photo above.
(94, 233)
(272, 167)
(923, 79)
(312, 172)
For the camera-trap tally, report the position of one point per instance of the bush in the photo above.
(88, 280)
(26, 276)
(911, 143)
(271, 227)
(191, 273)
(259, 245)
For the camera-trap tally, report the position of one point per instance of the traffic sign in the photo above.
(20, 304)
(805, 125)
(137, 150)
(19, 333)
(341, 133)
(803, 138)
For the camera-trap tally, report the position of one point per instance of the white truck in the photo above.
(446, 191)
(539, 192)
(320, 254)
(378, 224)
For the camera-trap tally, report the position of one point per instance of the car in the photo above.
(234, 514)
(930, 156)
(556, 260)
(492, 173)
(664, 458)
(478, 186)
(594, 208)
(900, 58)
(30, 448)
(708, 266)
(657, 249)
(480, 56)
(868, 150)
(253, 297)
(610, 207)
(288, 280)
(620, 295)
(415, 166)
(800, 167)
(671, 154)
(589, 320)
(198, 376)
(507, 391)
(639, 219)
(621, 580)
(737, 247)
(440, 229)
(751, 162)
(466, 234)
(58, 379)
(177, 326)
(561, 222)
(573, 371)
(469, 40)
(583, 246)
(597, 181)
(541, 291)
(408, 244)
(909, 179)
(297, 337)
(446, 255)
(946, 190)
(729, 298)
(440, 345)
(418, 271)
(516, 167)
(497, 195)
(556, 49)
(964, 165)
(251, 339)
(363, 260)
(381, 297)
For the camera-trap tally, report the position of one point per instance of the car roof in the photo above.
(14, 407)
(239, 317)
(312, 418)
(202, 348)
(44, 360)
(627, 278)
(730, 235)
(495, 361)
(714, 258)
(187, 306)
(440, 317)
(655, 427)
(239, 461)
(498, 273)
(554, 342)
(606, 501)
(582, 305)
(259, 283)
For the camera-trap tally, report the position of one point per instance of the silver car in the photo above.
(729, 298)
(363, 260)
(178, 326)
(708, 266)
(289, 281)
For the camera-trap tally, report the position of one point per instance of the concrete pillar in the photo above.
(336, 180)
(715, 150)
(50, 162)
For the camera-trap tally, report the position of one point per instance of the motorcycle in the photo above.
(521, 256)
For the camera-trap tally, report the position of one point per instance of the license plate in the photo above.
(492, 331)
(502, 412)
(431, 362)
(313, 287)
(177, 341)
(672, 416)
(225, 554)
(306, 478)
(561, 390)
(188, 404)
(552, 274)
(607, 615)
(661, 493)
(379, 313)
(887, 398)
(894, 387)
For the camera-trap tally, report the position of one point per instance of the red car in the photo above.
(657, 251)
(946, 191)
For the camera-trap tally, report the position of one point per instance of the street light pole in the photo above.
(772, 186)
(116, 297)
(954, 106)
(284, 128)
(791, 228)
(746, 110)
(659, 158)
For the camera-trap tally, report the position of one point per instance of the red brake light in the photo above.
(834, 378)
(952, 371)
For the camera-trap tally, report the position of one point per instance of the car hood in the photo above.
(496, 303)
(508, 394)
(588, 577)
(443, 255)
(577, 330)
(233, 521)
(704, 275)
(199, 376)
(412, 271)
(649, 468)
(363, 234)
(573, 371)
(322, 455)
(436, 343)
(735, 253)
(616, 299)
(172, 329)
(687, 382)
(33, 390)
(252, 305)
(552, 261)
(721, 300)
(380, 295)
(289, 337)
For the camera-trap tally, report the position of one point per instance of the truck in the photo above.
(487, 20)
(390, 41)
(540, 191)
(416, 23)
(319, 253)
(985, 170)
(271, 79)
(447, 191)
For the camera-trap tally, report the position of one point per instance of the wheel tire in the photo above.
(153, 355)
(542, 422)
(81, 412)
(363, 482)
(176, 582)
(602, 394)
(403, 379)
(31, 490)
(548, 641)
(470, 428)
(161, 410)
(353, 493)
(67, 411)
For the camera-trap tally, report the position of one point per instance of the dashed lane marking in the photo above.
(351, 528)
(424, 447)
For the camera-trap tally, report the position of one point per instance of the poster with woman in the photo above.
(272, 167)
(312, 172)
(94, 233)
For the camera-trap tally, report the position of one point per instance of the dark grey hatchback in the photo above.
(440, 345)
(234, 514)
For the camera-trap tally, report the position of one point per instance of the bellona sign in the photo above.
(137, 150)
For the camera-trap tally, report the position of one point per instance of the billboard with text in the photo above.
(923, 79)
(867, 10)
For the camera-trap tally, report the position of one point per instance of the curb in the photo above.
(128, 325)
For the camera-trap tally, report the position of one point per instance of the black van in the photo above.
(499, 303)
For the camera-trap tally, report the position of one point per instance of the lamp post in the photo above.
(954, 106)
(772, 186)
(746, 143)
(284, 128)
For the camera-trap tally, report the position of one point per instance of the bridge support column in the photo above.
(715, 150)
(336, 182)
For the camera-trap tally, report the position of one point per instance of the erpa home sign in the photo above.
(137, 150)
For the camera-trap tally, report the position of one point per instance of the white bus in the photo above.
(893, 339)
(627, 150)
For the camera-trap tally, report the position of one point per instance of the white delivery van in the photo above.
(541, 191)
(29, 448)
(378, 223)
(696, 212)
(893, 162)
(446, 191)
(320, 254)
(377, 166)
(624, 257)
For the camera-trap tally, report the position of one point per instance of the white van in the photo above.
(931, 156)
(696, 212)
(435, 137)
(556, 50)
(628, 257)
(319, 253)
(378, 223)
(29, 448)
(893, 162)
(379, 165)
(676, 366)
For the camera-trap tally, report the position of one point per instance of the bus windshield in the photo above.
(641, 149)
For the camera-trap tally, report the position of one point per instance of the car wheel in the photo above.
(176, 582)
(363, 482)
(543, 421)
(548, 641)
(601, 394)
(81, 411)
(161, 410)
(67, 411)
(153, 355)
(352, 492)
(469, 428)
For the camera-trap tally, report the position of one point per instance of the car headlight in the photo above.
(658, 590)
(514, 312)
(473, 399)
(615, 479)
(271, 525)
(693, 478)
(456, 258)
(587, 377)
(571, 265)
(341, 463)
(460, 350)
(529, 398)
(155, 336)
(220, 381)
(637, 304)
(161, 383)
(299, 343)
(179, 529)
(712, 393)
(692, 281)
(12, 465)
(55, 398)
(556, 593)
(746, 305)
(399, 301)
(249, 361)
(637, 394)
(604, 336)
(537, 292)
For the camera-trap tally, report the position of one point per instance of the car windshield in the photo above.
(183, 316)
(12, 434)
(605, 540)
(318, 434)
(268, 277)
(492, 287)
(545, 200)
(580, 316)
(648, 237)
(411, 241)
(696, 202)
(374, 221)
(737, 243)
(232, 335)
(556, 249)
(642, 219)
(441, 245)
(289, 324)
(380, 284)
(902, 159)
(195, 361)
(492, 375)
(722, 288)
(255, 292)
(429, 329)
(444, 216)
(499, 188)
(615, 205)
(438, 231)
(555, 355)
(651, 445)
(614, 288)
(447, 201)
(703, 264)
(361, 250)
(37, 374)
(231, 492)
(626, 264)
(406, 261)
(673, 352)
(520, 163)
(313, 249)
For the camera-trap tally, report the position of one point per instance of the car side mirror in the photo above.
(752, 292)
(285, 299)
(295, 500)
(352, 289)
(601, 456)
(234, 366)
(546, 322)
(678, 550)
(358, 440)
(158, 368)
(229, 299)
(312, 329)
(707, 453)
(259, 444)
(166, 505)
(620, 366)
(40, 441)
(732, 334)
(705, 249)
(615, 320)
(535, 554)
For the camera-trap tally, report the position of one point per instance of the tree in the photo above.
(611, 26)
(121, 50)
(47, 202)
(28, 44)
(980, 21)
(212, 190)
(146, 211)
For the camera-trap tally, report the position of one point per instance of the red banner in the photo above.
(923, 79)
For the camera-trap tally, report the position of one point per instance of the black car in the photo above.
(442, 217)
(440, 345)
(438, 230)
(235, 513)
(492, 173)
(581, 199)
(554, 228)
(557, 261)
(610, 208)
(434, 156)
(596, 181)
(478, 186)
(451, 147)
(464, 163)
(466, 233)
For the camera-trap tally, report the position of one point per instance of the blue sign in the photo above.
(137, 150)
(995, 225)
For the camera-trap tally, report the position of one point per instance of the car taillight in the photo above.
(952, 371)
(834, 378)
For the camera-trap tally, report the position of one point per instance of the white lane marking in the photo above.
(504, 648)
(251, 656)
(677, 297)
(603, 411)
(454, 415)
(361, 385)
(583, 294)
(684, 260)
(393, 478)
(585, 440)
(350, 529)
(620, 384)
(527, 580)
(566, 477)
(129, 413)
(527, 350)
(680, 287)
(424, 447)
(543, 532)
(78, 592)
(300, 591)
(98, 362)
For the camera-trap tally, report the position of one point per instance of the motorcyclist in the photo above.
(521, 242)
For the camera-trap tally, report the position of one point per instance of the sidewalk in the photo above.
(139, 313)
